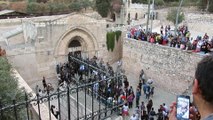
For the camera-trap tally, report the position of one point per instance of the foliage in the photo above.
(111, 36)
(140, 1)
(75, 6)
(86, 3)
(61, 7)
(210, 9)
(43, 9)
(202, 4)
(33, 7)
(3, 6)
(41, 1)
(9, 89)
(31, 1)
(117, 34)
(171, 16)
(159, 2)
(103, 7)
(110, 41)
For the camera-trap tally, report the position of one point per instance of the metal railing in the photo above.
(67, 110)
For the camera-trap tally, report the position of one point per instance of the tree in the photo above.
(210, 6)
(33, 7)
(202, 4)
(86, 3)
(103, 7)
(9, 90)
(171, 16)
(140, 1)
(75, 6)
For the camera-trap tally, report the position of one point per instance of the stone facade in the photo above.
(35, 52)
(133, 11)
(170, 68)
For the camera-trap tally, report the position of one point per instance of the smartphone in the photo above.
(183, 103)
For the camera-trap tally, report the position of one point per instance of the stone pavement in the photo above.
(160, 94)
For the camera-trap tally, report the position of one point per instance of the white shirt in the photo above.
(134, 118)
(125, 108)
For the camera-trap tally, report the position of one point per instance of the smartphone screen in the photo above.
(183, 103)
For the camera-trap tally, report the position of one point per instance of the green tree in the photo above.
(171, 16)
(202, 4)
(103, 7)
(33, 8)
(86, 3)
(140, 1)
(210, 7)
(31, 1)
(159, 2)
(75, 6)
(9, 91)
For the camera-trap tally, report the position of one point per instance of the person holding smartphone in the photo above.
(202, 91)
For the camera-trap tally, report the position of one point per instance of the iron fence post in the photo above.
(68, 102)
(14, 107)
(92, 103)
(38, 103)
(26, 100)
(48, 97)
(85, 108)
(77, 101)
(106, 99)
(59, 106)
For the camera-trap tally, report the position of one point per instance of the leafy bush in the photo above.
(111, 36)
(61, 7)
(118, 34)
(171, 16)
(140, 1)
(210, 9)
(43, 9)
(3, 6)
(75, 6)
(110, 41)
(9, 91)
(103, 7)
(33, 8)
(202, 4)
(86, 3)
(159, 2)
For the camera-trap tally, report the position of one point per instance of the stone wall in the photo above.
(170, 68)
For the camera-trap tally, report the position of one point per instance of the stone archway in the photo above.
(87, 40)
(75, 46)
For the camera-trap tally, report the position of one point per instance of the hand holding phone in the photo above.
(183, 103)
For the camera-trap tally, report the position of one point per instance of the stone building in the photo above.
(34, 46)
(130, 11)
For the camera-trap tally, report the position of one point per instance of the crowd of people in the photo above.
(114, 91)
(182, 39)
(120, 92)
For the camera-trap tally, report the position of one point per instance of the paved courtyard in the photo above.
(160, 96)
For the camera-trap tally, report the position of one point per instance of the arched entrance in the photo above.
(75, 47)
(113, 17)
(77, 39)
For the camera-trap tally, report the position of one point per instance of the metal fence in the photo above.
(75, 102)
